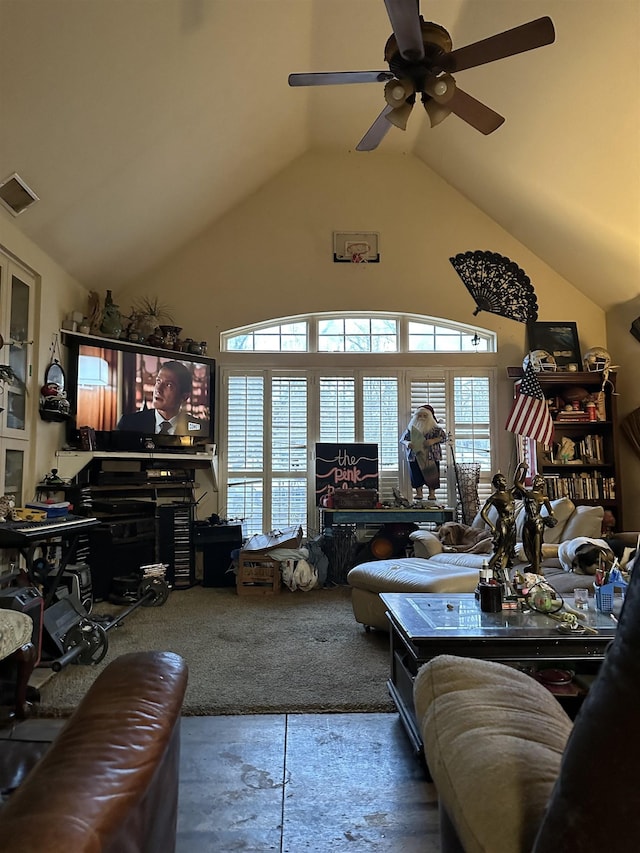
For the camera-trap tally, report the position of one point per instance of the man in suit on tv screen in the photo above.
(171, 391)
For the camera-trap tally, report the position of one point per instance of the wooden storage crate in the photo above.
(257, 575)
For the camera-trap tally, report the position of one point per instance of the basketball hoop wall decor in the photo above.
(356, 247)
(497, 285)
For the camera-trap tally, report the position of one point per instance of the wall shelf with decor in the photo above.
(582, 463)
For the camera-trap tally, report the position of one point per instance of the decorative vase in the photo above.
(170, 335)
(111, 324)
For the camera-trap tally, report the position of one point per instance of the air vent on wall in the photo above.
(15, 195)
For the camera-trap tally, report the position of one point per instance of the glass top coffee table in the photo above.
(423, 625)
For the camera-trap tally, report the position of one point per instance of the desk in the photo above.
(387, 516)
(27, 536)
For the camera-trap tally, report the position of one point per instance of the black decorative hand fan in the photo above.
(497, 285)
(421, 60)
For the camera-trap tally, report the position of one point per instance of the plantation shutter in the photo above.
(337, 408)
(431, 391)
(245, 451)
(471, 428)
(380, 425)
(288, 451)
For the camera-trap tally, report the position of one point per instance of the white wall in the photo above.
(272, 257)
(57, 294)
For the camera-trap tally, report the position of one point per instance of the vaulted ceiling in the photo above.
(140, 122)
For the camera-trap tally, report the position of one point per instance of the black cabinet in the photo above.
(217, 541)
(146, 507)
(118, 547)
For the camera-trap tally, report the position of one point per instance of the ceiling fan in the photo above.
(421, 60)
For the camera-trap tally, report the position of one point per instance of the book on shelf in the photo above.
(580, 486)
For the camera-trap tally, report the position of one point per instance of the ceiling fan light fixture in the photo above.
(396, 92)
(436, 112)
(442, 88)
(399, 116)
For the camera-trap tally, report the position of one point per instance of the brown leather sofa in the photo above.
(109, 781)
(514, 774)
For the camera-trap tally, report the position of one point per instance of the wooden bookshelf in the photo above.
(592, 476)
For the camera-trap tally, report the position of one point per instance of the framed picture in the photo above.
(558, 339)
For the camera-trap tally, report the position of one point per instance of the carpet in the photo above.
(296, 652)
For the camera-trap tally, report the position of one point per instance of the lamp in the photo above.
(93, 371)
(396, 92)
(400, 95)
(436, 112)
(400, 116)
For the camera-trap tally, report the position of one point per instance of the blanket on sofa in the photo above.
(463, 538)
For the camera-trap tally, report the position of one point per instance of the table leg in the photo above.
(25, 658)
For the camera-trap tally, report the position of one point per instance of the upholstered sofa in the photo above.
(108, 782)
(434, 569)
(514, 774)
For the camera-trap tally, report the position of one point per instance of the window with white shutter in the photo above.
(271, 419)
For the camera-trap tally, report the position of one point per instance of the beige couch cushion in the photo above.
(412, 574)
(562, 510)
(494, 739)
(585, 521)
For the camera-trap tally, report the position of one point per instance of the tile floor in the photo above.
(300, 782)
(290, 783)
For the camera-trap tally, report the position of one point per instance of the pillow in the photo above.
(479, 524)
(425, 543)
(563, 509)
(585, 521)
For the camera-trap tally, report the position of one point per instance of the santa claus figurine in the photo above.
(423, 440)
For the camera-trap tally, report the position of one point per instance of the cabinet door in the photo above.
(12, 467)
(17, 333)
(17, 287)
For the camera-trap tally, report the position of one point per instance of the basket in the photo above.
(355, 498)
(605, 595)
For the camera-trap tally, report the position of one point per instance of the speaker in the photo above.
(58, 619)
(26, 599)
(77, 579)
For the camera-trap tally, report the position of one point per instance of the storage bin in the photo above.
(604, 595)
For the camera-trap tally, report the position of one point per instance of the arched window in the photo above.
(354, 384)
(373, 332)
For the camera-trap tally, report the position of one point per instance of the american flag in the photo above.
(529, 414)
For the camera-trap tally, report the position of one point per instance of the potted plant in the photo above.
(147, 314)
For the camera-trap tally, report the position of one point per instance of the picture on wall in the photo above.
(559, 339)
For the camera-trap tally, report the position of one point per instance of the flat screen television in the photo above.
(126, 396)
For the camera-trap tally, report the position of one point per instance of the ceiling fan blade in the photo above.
(509, 43)
(405, 23)
(475, 113)
(376, 133)
(330, 78)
